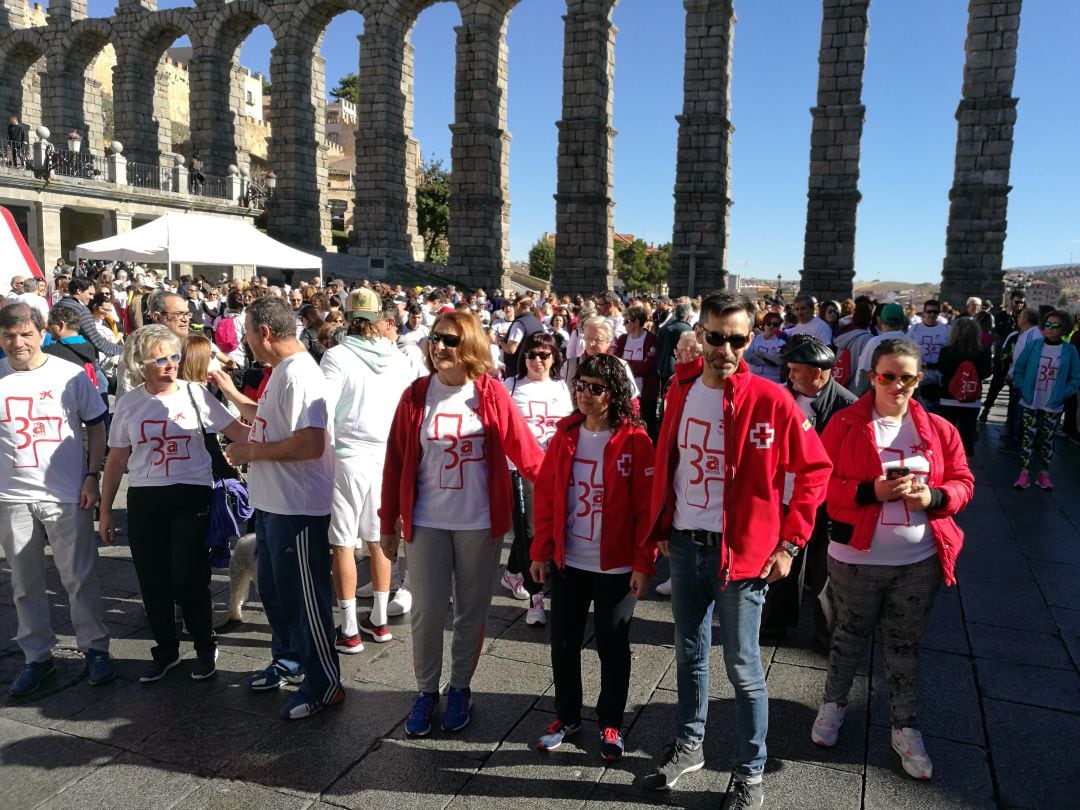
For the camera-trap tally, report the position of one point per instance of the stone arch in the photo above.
(230, 26)
(22, 62)
(71, 97)
(160, 29)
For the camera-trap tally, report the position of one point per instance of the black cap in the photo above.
(810, 351)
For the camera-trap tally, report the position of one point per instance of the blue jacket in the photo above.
(1026, 371)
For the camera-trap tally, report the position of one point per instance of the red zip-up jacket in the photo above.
(849, 439)
(628, 473)
(505, 434)
(765, 437)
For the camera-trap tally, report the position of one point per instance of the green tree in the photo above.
(348, 87)
(659, 262)
(433, 210)
(631, 263)
(542, 259)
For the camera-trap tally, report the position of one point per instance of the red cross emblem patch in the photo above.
(30, 431)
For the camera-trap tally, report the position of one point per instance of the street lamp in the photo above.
(779, 287)
(271, 182)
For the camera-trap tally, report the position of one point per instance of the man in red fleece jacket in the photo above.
(728, 440)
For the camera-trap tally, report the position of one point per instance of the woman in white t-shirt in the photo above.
(592, 519)
(543, 399)
(763, 356)
(157, 435)
(899, 476)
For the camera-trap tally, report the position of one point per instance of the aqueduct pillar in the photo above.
(480, 156)
(703, 166)
(833, 196)
(978, 200)
(584, 208)
(212, 120)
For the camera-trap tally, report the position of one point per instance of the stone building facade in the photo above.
(384, 230)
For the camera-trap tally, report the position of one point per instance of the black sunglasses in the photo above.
(719, 339)
(931, 312)
(537, 355)
(774, 323)
(449, 341)
(596, 389)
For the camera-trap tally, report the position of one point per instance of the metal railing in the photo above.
(208, 185)
(83, 165)
(145, 175)
(256, 197)
(17, 155)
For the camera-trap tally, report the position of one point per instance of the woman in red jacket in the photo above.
(592, 518)
(899, 476)
(446, 482)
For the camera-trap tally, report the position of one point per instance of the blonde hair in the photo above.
(474, 352)
(195, 359)
(140, 345)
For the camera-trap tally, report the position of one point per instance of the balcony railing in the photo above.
(146, 175)
(17, 155)
(208, 185)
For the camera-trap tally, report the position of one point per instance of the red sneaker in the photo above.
(378, 632)
(349, 645)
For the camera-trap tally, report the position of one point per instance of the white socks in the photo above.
(378, 607)
(347, 611)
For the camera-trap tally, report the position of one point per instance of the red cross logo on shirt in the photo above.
(257, 434)
(458, 450)
(543, 426)
(707, 464)
(1048, 369)
(31, 430)
(164, 448)
(931, 347)
(590, 501)
(762, 435)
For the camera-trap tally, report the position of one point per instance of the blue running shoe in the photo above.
(418, 723)
(458, 709)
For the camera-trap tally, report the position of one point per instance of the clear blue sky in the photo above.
(912, 86)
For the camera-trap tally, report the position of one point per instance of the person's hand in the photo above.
(777, 566)
(223, 380)
(240, 453)
(389, 545)
(918, 499)
(892, 490)
(538, 572)
(228, 364)
(89, 493)
(662, 546)
(639, 584)
(107, 527)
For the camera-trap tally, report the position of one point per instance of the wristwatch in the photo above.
(792, 549)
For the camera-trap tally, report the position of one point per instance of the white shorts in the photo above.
(354, 508)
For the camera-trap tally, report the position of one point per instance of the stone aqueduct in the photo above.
(385, 210)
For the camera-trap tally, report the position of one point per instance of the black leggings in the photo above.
(167, 533)
(519, 561)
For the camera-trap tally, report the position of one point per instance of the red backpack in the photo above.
(841, 370)
(225, 335)
(965, 385)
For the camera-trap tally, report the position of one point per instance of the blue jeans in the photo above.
(695, 591)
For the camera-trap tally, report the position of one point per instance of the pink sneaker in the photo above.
(1023, 481)
(1042, 481)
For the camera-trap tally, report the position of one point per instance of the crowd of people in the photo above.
(767, 451)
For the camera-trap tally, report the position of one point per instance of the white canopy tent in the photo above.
(181, 238)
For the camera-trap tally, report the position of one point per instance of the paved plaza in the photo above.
(999, 699)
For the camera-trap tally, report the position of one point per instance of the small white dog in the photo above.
(241, 575)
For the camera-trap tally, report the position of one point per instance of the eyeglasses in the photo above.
(719, 339)
(888, 378)
(178, 316)
(1053, 325)
(596, 389)
(161, 362)
(934, 312)
(596, 341)
(449, 341)
(773, 324)
(537, 355)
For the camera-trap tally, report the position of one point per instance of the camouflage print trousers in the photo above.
(896, 598)
(1037, 436)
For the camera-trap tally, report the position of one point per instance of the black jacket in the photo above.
(833, 397)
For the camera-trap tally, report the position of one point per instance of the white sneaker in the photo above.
(664, 588)
(401, 603)
(908, 743)
(515, 583)
(827, 724)
(536, 614)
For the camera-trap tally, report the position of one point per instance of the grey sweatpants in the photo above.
(441, 559)
(898, 599)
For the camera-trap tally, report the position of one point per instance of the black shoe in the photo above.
(743, 795)
(205, 665)
(158, 669)
(677, 759)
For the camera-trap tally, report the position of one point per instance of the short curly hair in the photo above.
(611, 370)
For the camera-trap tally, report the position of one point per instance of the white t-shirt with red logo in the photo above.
(1046, 378)
(634, 350)
(902, 536)
(452, 485)
(163, 434)
(699, 475)
(294, 399)
(585, 504)
(542, 404)
(41, 416)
